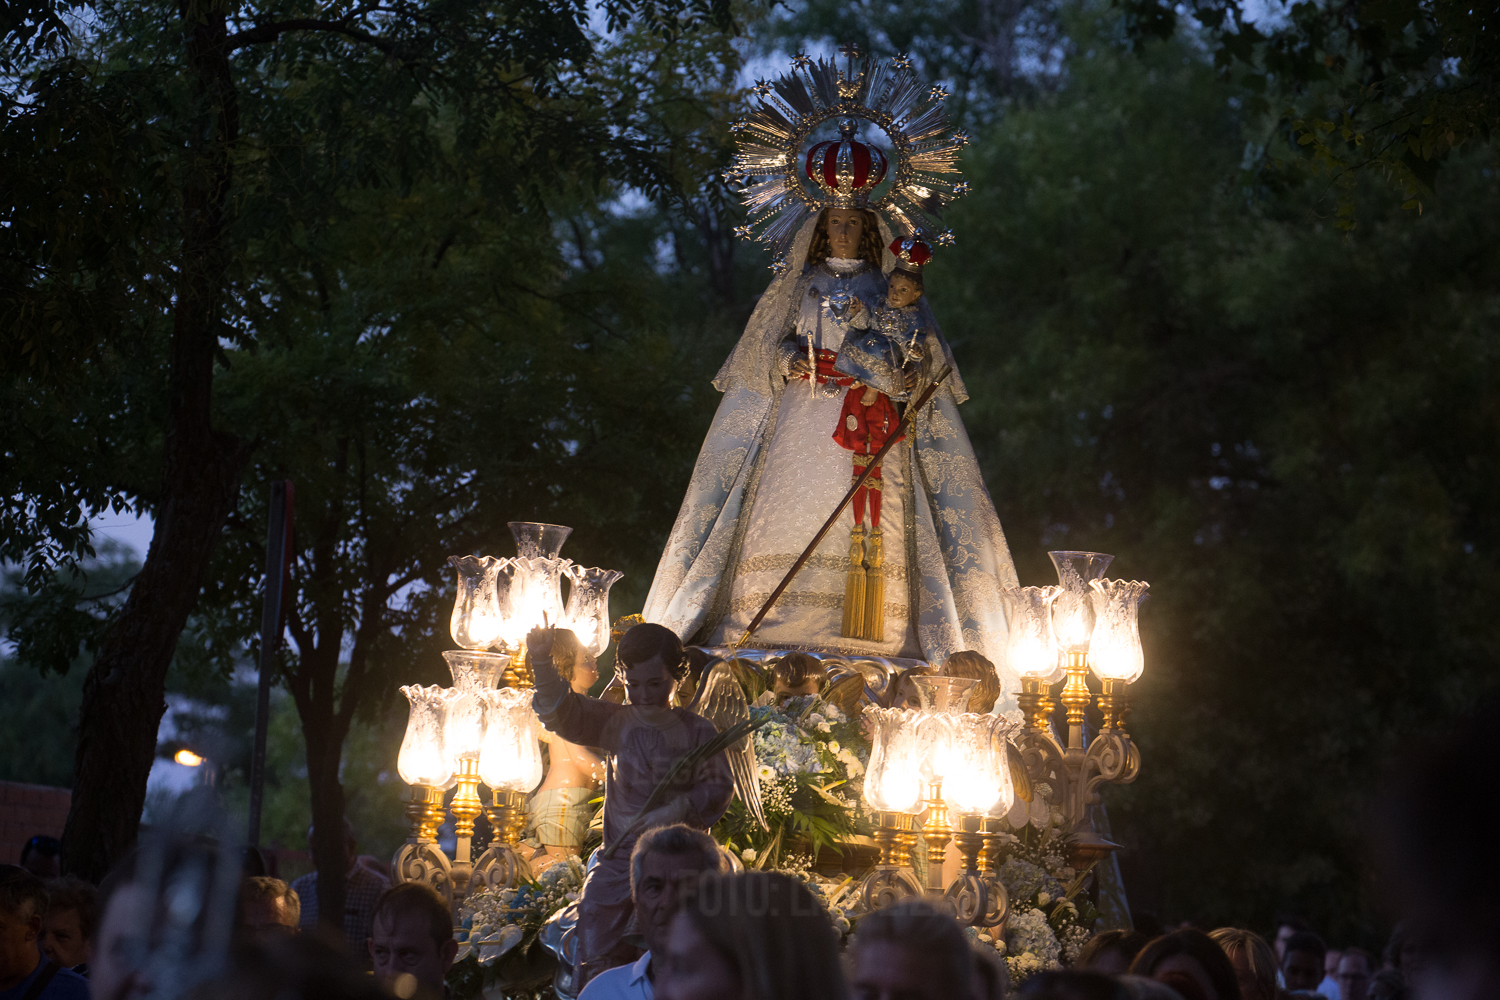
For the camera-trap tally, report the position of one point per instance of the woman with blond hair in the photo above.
(1253, 960)
(754, 936)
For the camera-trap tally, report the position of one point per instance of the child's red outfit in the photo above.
(864, 430)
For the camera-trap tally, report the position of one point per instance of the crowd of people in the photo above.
(182, 917)
(708, 934)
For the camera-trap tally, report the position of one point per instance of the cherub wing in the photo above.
(721, 700)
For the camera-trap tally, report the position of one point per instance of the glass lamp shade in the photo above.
(510, 759)
(979, 784)
(944, 694)
(463, 726)
(1029, 647)
(475, 671)
(537, 539)
(893, 781)
(1116, 651)
(423, 760)
(476, 614)
(1073, 608)
(587, 613)
(936, 745)
(528, 593)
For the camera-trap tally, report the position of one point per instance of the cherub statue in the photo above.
(560, 810)
(642, 739)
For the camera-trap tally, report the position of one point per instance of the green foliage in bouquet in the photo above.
(812, 760)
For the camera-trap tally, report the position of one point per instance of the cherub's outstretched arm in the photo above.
(576, 718)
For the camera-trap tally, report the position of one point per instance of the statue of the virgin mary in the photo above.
(830, 358)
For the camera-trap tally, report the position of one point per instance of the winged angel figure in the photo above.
(721, 700)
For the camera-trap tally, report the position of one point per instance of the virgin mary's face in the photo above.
(845, 226)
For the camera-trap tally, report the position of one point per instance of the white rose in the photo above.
(748, 854)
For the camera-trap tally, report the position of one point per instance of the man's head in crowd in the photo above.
(42, 856)
(23, 900)
(755, 936)
(1285, 928)
(1190, 962)
(1253, 960)
(664, 859)
(268, 908)
(351, 844)
(1353, 975)
(1110, 952)
(1302, 962)
(71, 920)
(411, 941)
(910, 951)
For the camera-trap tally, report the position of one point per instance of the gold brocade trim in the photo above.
(806, 599)
(781, 562)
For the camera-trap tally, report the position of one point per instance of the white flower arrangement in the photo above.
(493, 922)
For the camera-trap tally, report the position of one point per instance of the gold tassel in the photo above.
(874, 629)
(854, 586)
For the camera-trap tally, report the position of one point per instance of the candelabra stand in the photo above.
(998, 911)
(969, 892)
(501, 864)
(891, 880)
(420, 859)
(1074, 772)
(936, 834)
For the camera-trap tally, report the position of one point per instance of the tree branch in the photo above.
(263, 33)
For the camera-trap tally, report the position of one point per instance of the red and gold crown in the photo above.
(782, 187)
(846, 169)
(911, 252)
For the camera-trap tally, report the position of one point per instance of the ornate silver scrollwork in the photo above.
(887, 884)
(969, 895)
(997, 904)
(425, 862)
(499, 867)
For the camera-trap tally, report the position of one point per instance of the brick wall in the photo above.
(27, 810)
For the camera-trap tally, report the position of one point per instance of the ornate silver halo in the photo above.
(767, 170)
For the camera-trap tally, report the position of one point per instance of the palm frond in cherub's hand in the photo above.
(688, 762)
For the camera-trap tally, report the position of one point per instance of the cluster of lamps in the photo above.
(1061, 633)
(477, 732)
(943, 774)
(953, 766)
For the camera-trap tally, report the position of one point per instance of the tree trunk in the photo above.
(329, 848)
(124, 694)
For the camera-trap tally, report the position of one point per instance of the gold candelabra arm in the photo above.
(518, 673)
(425, 811)
(936, 833)
(425, 862)
(1113, 758)
(502, 865)
(968, 892)
(891, 880)
(466, 805)
(1076, 697)
(1036, 702)
(1114, 702)
(997, 907)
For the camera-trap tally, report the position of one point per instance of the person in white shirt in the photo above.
(663, 859)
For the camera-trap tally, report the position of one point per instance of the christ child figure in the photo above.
(885, 357)
(641, 740)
